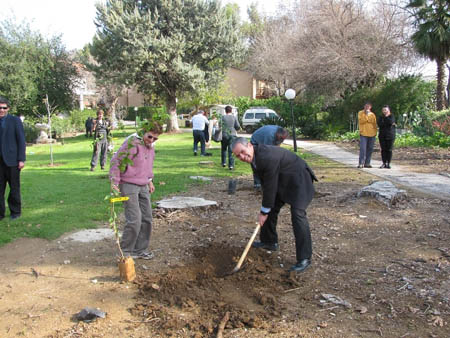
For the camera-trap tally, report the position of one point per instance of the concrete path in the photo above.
(434, 184)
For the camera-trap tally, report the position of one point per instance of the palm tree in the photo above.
(432, 37)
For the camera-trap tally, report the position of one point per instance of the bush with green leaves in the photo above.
(142, 112)
(78, 118)
(31, 132)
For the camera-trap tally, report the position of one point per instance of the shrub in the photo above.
(61, 126)
(142, 112)
(31, 132)
(78, 118)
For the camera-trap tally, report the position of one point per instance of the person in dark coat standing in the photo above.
(88, 124)
(285, 178)
(101, 133)
(386, 136)
(12, 159)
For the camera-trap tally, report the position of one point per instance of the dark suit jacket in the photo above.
(284, 175)
(386, 127)
(13, 141)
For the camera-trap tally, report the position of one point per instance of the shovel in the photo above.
(244, 254)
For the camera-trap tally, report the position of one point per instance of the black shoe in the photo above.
(367, 166)
(207, 154)
(383, 166)
(195, 153)
(224, 165)
(301, 266)
(231, 168)
(14, 216)
(388, 166)
(360, 166)
(103, 168)
(266, 246)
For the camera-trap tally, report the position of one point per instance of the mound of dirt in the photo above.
(199, 294)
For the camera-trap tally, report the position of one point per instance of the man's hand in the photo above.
(151, 187)
(262, 219)
(21, 165)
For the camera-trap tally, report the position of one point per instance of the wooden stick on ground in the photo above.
(222, 324)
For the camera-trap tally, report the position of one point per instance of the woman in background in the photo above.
(386, 136)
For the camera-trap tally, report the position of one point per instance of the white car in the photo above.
(254, 115)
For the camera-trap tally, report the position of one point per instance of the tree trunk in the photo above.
(171, 106)
(448, 86)
(440, 84)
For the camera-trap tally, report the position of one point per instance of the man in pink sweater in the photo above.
(131, 174)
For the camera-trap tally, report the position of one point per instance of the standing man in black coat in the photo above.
(386, 136)
(285, 178)
(12, 159)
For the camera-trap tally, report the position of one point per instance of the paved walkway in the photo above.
(434, 184)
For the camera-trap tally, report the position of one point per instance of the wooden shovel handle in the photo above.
(249, 244)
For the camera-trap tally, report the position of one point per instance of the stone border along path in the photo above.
(433, 184)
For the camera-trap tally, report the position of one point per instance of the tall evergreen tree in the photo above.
(432, 37)
(166, 47)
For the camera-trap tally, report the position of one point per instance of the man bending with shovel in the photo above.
(285, 178)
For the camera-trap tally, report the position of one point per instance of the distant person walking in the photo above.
(367, 132)
(229, 126)
(199, 121)
(12, 159)
(101, 132)
(386, 136)
(271, 135)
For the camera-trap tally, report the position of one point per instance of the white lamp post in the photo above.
(290, 95)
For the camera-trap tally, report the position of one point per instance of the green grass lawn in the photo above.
(68, 196)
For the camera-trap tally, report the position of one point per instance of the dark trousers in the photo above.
(386, 146)
(226, 146)
(199, 136)
(100, 148)
(88, 132)
(300, 225)
(10, 175)
(365, 149)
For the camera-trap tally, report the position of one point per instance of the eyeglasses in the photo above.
(4, 108)
(151, 137)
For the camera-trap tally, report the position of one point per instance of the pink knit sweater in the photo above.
(142, 169)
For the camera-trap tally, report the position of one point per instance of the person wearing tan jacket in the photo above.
(367, 132)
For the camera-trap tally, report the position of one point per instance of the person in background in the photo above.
(386, 136)
(136, 182)
(286, 178)
(269, 135)
(229, 126)
(101, 131)
(12, 159)
(367, 132)
(88, 125)
(199, 121)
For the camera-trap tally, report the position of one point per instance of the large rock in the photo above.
(182, 202)
(384, 191)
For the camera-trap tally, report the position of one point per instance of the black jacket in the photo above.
(13, 141)
(284, 175)
(386, 127)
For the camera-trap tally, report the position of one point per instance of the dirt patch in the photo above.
(421, 160)
(392, 265)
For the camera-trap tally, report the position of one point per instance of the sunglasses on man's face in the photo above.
(3, 108)
(151, 137)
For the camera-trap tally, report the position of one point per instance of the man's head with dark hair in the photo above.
(228, 109)
(4, 100)
(280, 135)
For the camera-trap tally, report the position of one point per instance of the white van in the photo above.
(254, 115)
